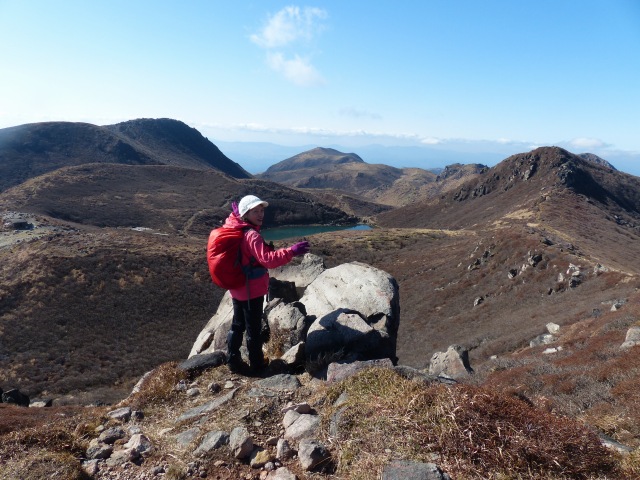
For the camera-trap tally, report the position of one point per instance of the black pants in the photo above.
(247, 316)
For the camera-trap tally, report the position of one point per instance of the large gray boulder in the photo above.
(356, 286)
(360, 288)
(303, 274)
(347, 332)
(214, 334)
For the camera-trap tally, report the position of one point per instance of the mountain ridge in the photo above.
(30, 150)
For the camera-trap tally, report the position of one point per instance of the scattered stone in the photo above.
(138, 386)
(284, 451)
(282, 473)
(407, 470)
(259, 458)
(548, 351)
(16, 397)
(240, 443)
(335, 421)
(261, 392)
(193, 392)
(122, 414)
(90, 467)
(158, 470)
(598, 269)
(214, 387)
(201, 362)
(41, 403)
(295, 355)
(211, 441)
(181, 386)
(279, 383)
(617, 305)
(553, 328)
(477, 301)
(97, 451)
(207, 407)
(110, 435)
(338, 371)
(453, 363)
(632, 339)
(282, 290)
(303, 407)
(534, 259)
(140, 443)
(312, 453)
(188, 436)
(614, 445)
(544, 339)
(214, 335)
(298, 426)
(121, 457)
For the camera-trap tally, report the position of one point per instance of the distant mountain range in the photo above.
(257, 157)
(326, 168)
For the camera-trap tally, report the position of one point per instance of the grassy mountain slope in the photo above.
(571, 200)
(27, 151)
(166, 198)
(174, 143)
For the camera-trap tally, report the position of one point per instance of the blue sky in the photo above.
(456, 75)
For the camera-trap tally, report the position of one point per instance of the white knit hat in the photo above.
(249, 202)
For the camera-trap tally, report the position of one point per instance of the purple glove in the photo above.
(234, 207)
(300, 248)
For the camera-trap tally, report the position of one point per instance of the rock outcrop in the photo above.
(349, 312)
(454, 363)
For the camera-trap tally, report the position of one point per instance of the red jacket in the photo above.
(254, 246)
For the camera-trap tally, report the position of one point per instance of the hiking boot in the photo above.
(235, 364)
(260, 368)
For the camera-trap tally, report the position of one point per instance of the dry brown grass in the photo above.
(158, 386)
(470, 432)
(44, 443)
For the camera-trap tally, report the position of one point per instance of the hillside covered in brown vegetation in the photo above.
(113, 283)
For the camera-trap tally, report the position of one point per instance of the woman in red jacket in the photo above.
(256, 258)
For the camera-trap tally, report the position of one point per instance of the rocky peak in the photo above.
(591, 157)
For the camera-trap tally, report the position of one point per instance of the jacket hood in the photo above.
(234, 221)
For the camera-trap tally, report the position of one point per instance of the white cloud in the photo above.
(290, 28)
(297, 70)
(588, 143)
(289, 25)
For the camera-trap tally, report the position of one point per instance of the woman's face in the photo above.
(255, 216)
